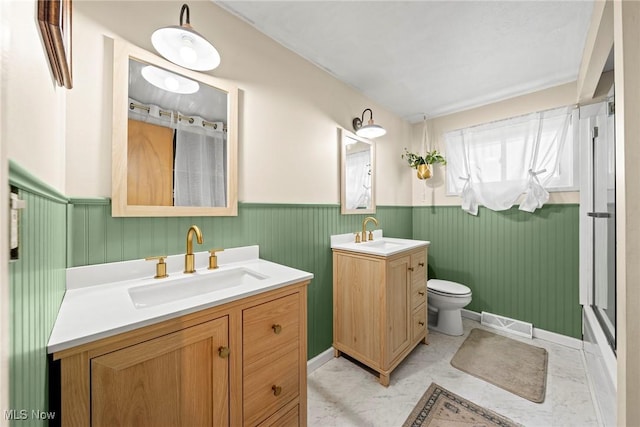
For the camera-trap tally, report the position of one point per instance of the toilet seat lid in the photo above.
(447, 287)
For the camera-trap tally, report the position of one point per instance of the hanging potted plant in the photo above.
(422, 163)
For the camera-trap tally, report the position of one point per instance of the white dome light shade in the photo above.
(371, 131)
(169, 81)
(184, 46)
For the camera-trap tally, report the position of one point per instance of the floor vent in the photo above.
(506, 324)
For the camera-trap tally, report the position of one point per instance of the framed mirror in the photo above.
(357, 174)
(174, 147)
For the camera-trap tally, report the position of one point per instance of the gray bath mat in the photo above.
(512, 365)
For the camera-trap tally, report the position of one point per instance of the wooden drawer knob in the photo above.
(223, 352)
(276, 390)
(276, 330)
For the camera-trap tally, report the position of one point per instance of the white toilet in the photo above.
(447, 299)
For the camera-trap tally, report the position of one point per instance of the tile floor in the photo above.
(341, 393)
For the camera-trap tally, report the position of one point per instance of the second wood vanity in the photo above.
(380, 303)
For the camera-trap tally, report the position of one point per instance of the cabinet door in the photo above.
(358, 294)
(398, 295)
(180, 379)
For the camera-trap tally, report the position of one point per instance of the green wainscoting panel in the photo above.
(518, 264)
(36, 288)
(293, 235)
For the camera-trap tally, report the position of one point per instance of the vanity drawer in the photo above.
(268, 386)
(419, 323)
(270, 329)
(419, 265)
(287, 418)
(418, 293)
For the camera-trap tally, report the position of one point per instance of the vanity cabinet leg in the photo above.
(336, 352)
(384, 379)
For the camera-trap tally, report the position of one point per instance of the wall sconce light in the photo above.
(370, 130)
(185, 47)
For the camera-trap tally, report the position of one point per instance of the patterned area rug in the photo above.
(438, 407)
(512, 365)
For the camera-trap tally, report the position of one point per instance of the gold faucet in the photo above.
(189, 258)
(364, 228)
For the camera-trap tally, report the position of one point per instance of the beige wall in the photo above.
(432, 192)
(33, 121)
(289, 109)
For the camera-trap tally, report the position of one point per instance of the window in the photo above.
(495, 163)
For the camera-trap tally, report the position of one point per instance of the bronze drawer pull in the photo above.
(410, 269)
(421, 323)
(421, 293)
(276, 328)
(421, 264)
(276, 390)
(223, 352)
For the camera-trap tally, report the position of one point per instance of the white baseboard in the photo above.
(471, 315)
(319, 360)
(537, 332)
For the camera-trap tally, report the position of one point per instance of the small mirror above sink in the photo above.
(192, 285)
(357, 174)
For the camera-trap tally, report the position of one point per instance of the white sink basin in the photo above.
(381, 246)
(385, 244)
(167, 290)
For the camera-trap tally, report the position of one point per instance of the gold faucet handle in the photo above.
(358, 237)
(161, 266)
(213, 258)
(370, 235)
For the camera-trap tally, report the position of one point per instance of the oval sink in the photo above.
(382, 246)
(192, 285)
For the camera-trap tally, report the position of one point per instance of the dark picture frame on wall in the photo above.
(54, 19)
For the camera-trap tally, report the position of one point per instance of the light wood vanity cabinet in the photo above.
(242, 363)
(379, 307)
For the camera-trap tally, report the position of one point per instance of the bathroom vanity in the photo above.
(379, 300)
(232, 356)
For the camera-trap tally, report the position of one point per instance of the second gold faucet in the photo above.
(364, 228)
(189, 258)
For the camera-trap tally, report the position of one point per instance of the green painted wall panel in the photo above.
(519, 265)
(36, 288)
(294, 235)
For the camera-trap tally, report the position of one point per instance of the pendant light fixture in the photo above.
(370, 130)
(169, 81)
(184, 46)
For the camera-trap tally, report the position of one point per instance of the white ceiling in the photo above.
(431, 58)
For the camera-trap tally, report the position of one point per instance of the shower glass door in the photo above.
(603, 214)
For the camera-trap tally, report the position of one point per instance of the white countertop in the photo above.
(381, 246)
(97, 302)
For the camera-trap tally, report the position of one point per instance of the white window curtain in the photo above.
(495, 163)
(358, 171)
(200, 166)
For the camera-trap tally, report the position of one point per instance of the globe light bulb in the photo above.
(171, 83)
(187, 52)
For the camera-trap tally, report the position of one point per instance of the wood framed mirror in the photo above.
(174, 143)
(357, 174)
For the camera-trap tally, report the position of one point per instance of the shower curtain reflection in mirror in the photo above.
(358, 171)
(357, 178)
